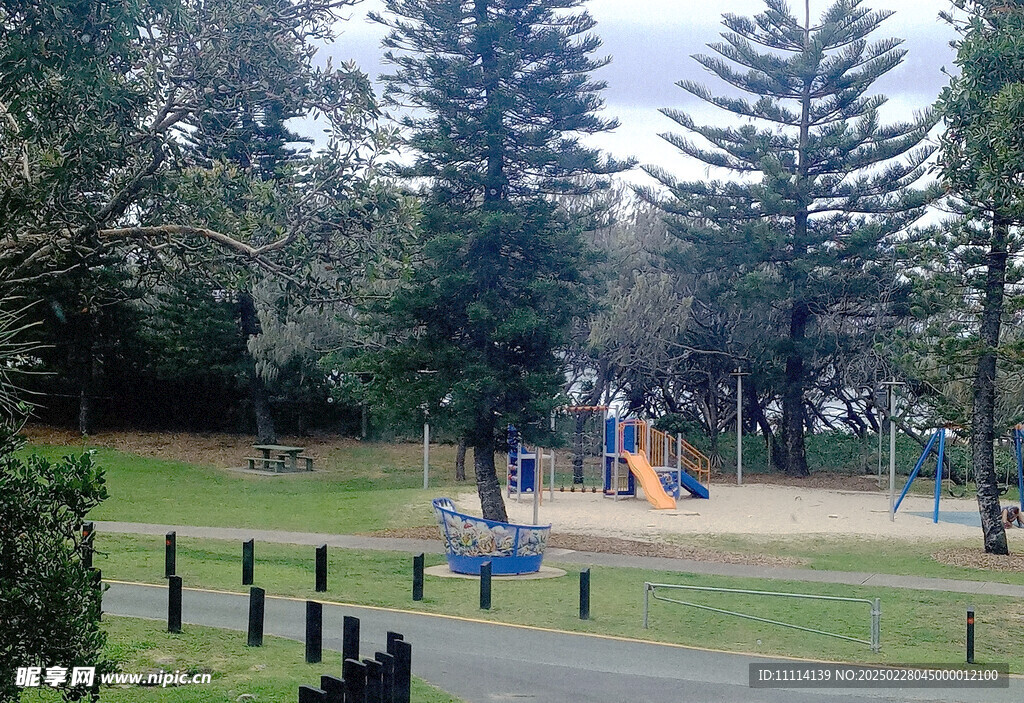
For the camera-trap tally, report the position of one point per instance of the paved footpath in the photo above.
(568, 556)
(486, 662)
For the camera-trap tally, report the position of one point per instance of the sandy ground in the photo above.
(766, 510)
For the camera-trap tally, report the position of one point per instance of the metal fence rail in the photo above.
(650, 591)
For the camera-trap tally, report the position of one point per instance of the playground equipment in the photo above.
(470, 541)
(525, 475)
(937, 443)
(664, 466)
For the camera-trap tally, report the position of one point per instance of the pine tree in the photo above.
(500, 96)
(982, 161)
(817, 183)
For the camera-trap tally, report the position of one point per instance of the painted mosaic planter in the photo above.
(470, 541)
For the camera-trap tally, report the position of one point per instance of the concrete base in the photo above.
(546, 572)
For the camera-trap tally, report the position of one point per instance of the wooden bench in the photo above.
(279, 464)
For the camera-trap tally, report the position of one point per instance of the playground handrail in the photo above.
(660, 450)
(876, 609)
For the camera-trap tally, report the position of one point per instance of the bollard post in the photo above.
(354, 674)
(392, 638)
(314, 632)
(87, 544)
(970, 635)
(174, 605)
(417, 577)
(403, 671)
(170, 554)
(309, 694)
(374, 686)
(350, 638)
(321, 568)
(97, 583)
(485, 586)
(256, 606)
(387, 676)
(585, 595)
(334, 688)
(248, 557)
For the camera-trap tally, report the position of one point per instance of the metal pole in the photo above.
(538, 480)
(890, 387)
(970, 635)
(876, 625)
(552, 491)
(647, 602)
(679, 460)
(615, 459)
(426, 455)
(739, 428)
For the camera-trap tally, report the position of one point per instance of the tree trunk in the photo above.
(487, 486)
(258, 393)
(754, 406)
(460, 460)
(88, 379)
(983, 419)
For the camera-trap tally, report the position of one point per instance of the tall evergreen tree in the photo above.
(500, 96)
(817, 183)
(982, 161)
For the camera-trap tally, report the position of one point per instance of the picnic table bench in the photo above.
(287, 457)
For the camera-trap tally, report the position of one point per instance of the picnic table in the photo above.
(289, 457)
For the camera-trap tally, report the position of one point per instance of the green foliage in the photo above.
(503, 92)
(49, 603)
(822, 187)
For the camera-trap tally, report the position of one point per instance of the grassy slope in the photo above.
(271, 673)
(916, 626)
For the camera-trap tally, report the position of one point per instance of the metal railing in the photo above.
(665, 451)
(650, 591)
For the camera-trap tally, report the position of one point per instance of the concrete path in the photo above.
(486, 662)
(568, 556)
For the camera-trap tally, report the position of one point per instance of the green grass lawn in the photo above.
(917, 626)
(272, 672)
(359, 489)
(831, 553)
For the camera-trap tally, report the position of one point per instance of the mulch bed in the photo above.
(975, 559)
(616, 545)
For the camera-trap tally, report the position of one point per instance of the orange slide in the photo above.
(649, 481)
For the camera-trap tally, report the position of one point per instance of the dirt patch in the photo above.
(823, 479)
(974, 559)
(615, 545)
(206, 449)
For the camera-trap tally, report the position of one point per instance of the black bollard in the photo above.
(387, 676)
(87, 544)
(354, 673)
(403, 672)
(350, 639)
(170, 554)
(174, 605)
(248, 557)
(309, 694)
(585, 595)
(417, 577)
(314, 632)
(485, 586)
(970, 635)
(97, 583)
(321, 568)
(256, 607)
(334, 688)
(392, 638)
(374, 686)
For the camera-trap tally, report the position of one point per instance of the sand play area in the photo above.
(755, 509)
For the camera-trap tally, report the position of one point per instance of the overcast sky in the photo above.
(651, 41)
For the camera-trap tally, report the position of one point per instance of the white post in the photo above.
(664, 451)
(538, 479)
(739, 425)
(891, 388)
(426, 455)
(647, 439)
(552, 491)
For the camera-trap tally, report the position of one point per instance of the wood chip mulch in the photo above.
(616, 545)
(975, 559)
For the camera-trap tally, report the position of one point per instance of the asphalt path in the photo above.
(486, 662)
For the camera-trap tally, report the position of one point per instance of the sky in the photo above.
(651, 42)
